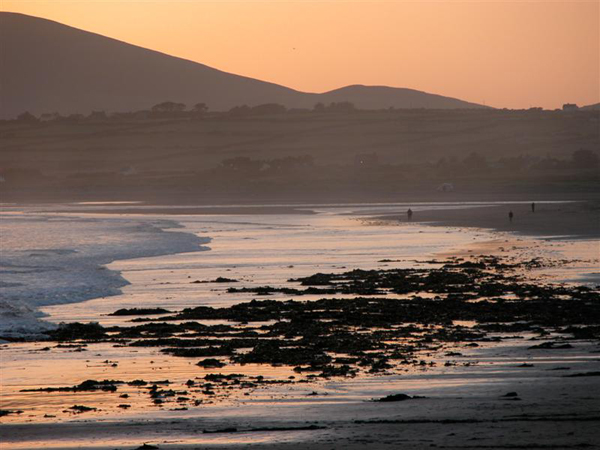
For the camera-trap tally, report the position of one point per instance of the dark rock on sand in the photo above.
(81, 409)
(219, 377)
(333, 337)
(216, 280)
(147, 447)
(77, 331)
(396, 398)
(6, 412)
(211, 363)
(511, 394)
(200, 352)
(88, 385)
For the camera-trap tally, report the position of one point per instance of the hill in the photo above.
(381, 97)
(46, 67)
(593, 107)
(303, 156)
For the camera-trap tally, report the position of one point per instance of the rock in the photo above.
(81, 408)
(210, 363)
(6, 412)
(77, 331)
(88, 385)
(224, 280)
(395, 398)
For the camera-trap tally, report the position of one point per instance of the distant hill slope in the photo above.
(46, 67)
(378, 97)
(593, 107)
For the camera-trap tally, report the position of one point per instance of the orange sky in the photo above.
(513, 54)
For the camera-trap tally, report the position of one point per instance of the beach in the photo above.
(299, 225)
(571, 220)
(463, 409)
(464, 381)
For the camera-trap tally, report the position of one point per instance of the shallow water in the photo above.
(51, 259)
(258, 251)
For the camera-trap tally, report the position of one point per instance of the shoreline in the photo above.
(25, 319)
(450, 416)
(573, 220)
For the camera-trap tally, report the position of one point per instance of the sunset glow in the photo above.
(503, 54)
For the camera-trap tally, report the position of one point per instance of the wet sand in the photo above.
(565, 220)
(465, 405)
(195, 210)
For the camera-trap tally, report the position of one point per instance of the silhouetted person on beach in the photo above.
(532, 207)
(510, 216)
(409, 213)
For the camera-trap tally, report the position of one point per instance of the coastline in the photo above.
(78, 269)
(572, 220)
(459, 396)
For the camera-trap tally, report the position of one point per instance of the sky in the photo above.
(513, 54)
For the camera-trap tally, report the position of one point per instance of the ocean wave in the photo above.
(70, 256)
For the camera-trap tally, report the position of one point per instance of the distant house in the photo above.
(366, 160)
(567, 107)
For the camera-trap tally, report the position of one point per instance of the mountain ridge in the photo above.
(69, 70)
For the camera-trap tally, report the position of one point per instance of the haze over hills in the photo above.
(46, 66)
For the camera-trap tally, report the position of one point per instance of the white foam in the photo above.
(53, 259)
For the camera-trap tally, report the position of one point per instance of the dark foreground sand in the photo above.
(572, 220)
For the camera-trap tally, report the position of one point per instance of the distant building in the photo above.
(567, 107)
(366, 160)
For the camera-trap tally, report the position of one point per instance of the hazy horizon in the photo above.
(529, 54)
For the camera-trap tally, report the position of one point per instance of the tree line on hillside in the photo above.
(169, 109)
(451, 169)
